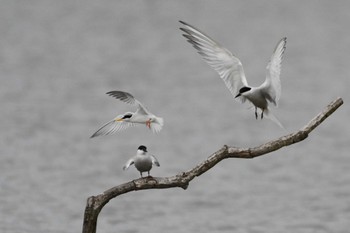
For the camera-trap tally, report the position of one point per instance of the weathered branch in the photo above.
(96, 203)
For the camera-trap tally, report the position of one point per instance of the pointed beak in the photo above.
(239, 94)
(118, 119)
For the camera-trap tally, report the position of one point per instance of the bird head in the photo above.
(124, 117)
(142, 149)
(243, 90)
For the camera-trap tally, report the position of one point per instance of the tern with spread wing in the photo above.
(142, 161)
(121, 122)
(231, 71)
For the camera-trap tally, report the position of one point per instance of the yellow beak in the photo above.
(118, 119)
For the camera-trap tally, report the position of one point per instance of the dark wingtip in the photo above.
(110, 92)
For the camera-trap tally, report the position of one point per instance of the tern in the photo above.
(231, 71)
(142, 161)
(121, 122)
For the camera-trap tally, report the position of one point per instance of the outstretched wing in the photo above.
(273, 71)
(112, 127)
(154, 160)
(128, 163)
(129, 99)
(219, 58)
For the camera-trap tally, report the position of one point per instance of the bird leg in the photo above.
(262, 113)
(256, 113)
(141, 174)
(151, 177)
(148, 123)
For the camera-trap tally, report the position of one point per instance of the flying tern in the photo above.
(231, 71)
(142, 161)
(121, 122)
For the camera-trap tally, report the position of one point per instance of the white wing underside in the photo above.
(112, 127)
(128, 164)
(219, 58)
(272, 83)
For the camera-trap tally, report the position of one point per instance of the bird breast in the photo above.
(143, 163)
(257, 98)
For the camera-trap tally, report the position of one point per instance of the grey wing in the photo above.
(219, 58)
(154, 160)
(129, 99)
(273, 71)
(112, 127)
(142, 110)
(128, 163)
(123, 96)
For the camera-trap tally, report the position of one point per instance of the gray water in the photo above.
(59, 58)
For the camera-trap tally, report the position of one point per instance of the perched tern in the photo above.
(231, 71)
(121, 122)
(142, 161)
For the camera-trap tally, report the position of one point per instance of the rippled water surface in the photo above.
(59, 58)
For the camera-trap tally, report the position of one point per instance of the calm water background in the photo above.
(59, 58)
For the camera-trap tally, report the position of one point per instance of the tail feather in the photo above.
(157, 125)
(272, 117)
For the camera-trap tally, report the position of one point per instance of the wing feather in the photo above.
(155, 160)
(123, 96)
(129, 99)
(273, 71)
(112, 127)
(128, 163)
(219, 58)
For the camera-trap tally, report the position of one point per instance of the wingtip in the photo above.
(111, 93)
(284, 39)
(94, 135)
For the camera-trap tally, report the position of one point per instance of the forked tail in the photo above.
(272, 117)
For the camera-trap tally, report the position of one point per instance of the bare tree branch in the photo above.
(96, 203)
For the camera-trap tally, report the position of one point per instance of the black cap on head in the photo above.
(242, 90)
(127, 115)
(143, 148)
